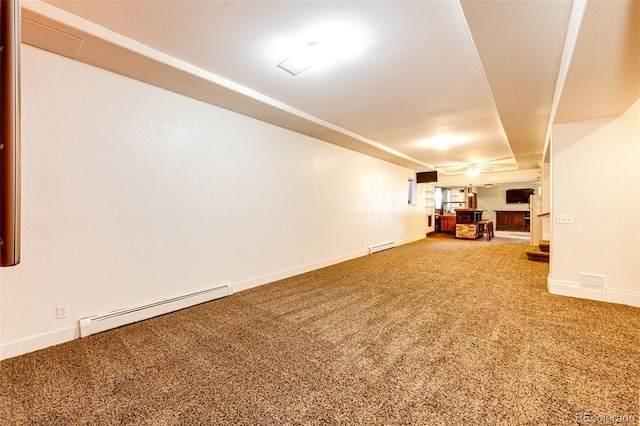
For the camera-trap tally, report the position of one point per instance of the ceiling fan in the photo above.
(473, 169)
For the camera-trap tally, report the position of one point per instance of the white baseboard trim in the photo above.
(56, 337)
(291, 272)
(573, 289)
(41, 341)
(413, 239)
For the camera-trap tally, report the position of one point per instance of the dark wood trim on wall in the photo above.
(10, 132)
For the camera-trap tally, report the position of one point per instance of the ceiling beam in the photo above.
(60, 32)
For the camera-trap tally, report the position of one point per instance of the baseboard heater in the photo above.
(97, 323)
(382, 246)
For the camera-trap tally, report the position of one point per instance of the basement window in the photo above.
(412, 192)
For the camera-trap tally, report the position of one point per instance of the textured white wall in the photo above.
(132, 194)
(595, 177)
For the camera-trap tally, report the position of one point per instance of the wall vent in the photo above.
(98, 323)
(382, 246)
(592, 281)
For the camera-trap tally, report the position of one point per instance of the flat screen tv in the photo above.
(426, 177)
(519, 196)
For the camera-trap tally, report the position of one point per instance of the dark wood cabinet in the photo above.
(447, 223)
(512, 220)
(468, 216)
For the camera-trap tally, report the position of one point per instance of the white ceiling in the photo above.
(481, 73)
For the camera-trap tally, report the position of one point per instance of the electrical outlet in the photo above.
(62, 311)
(564, 218)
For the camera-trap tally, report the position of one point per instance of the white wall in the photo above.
(595, 177)
(132, 194)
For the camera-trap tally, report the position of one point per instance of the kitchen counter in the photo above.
(467, 224)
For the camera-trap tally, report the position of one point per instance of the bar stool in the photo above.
(487, 226)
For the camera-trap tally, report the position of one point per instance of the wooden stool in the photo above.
(487, 226)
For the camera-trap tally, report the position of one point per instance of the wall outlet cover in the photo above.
(62, 311)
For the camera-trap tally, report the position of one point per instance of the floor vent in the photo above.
(98, 323)
(592, 281)
(382, 246)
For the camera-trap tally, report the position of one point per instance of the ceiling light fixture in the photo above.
(304, 59)
(330, 43)
(473, 172)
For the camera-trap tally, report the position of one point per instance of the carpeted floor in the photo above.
(438, 332)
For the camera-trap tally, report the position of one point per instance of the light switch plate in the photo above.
(564, 218)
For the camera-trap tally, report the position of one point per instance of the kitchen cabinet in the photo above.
(447, 223)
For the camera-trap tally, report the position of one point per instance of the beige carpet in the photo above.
(438, 332)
